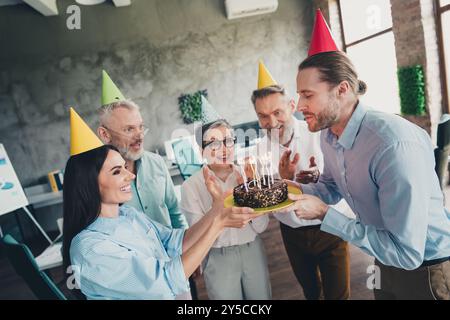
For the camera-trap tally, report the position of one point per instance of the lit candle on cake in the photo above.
(241, 165)
(253, 166)
(265, 162)
(269, 158)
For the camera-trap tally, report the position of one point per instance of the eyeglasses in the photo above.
(130, 131)
(217, 144)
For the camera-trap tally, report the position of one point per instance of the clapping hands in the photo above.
(309, 176)
(287, 168)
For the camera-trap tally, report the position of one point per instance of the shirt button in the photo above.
(146, 207)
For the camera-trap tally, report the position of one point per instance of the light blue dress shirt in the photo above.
(383, 166)
(129, 257)
(154, 193)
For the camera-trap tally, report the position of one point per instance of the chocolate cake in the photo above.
(260, 198)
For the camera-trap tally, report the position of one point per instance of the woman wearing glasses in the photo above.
(236, 266)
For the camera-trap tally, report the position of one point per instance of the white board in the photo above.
(12, 196)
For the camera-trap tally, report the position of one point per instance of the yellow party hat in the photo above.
(82, 138)
(264, 77)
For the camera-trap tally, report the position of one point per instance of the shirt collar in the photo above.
(108, 225)
(296, 124)
(138, 163)
(351, 130)
(137, 166)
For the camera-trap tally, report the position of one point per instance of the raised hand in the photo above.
(286, 167)
(309, 176)
(239, 177)
(312, 162)
(248, 169)
(213, 186)
(234, 217)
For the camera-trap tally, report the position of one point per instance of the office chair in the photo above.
(24, 264)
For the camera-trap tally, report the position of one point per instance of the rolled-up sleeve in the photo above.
(171, 238)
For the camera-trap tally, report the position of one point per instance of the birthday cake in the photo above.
(261, 193)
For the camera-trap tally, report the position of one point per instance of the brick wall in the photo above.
(432, 67)
(323, 5)
(330, 11)
(416, 43)
(408, 32)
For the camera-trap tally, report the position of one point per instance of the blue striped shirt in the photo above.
(129, 257)
(383, 166)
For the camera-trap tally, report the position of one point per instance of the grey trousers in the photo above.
(423, 283)
(237, 272)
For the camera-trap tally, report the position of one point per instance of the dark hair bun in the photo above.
(362, 87)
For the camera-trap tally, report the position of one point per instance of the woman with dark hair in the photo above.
(117, 252)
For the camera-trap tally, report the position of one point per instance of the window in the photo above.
(367, 29)
(443, 19)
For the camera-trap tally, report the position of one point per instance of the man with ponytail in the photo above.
(383, 166)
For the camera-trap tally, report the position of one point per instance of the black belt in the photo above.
(314, 226)
(429, 263)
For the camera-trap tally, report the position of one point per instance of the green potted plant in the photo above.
(191, 106)
(412, 90)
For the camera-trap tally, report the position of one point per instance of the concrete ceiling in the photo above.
(49, 7)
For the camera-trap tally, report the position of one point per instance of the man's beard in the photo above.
(288, 131)
(129, 155)
(326, 118)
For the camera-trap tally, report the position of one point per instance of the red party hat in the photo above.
(321, 40)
